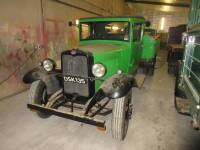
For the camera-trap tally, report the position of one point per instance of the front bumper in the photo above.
(68, 115)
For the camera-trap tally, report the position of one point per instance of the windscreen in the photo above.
(104, 31)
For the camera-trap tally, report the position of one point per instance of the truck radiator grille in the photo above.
(77, 65)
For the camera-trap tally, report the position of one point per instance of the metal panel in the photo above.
(68, 115)
(75, 66)
(191, 66)
(194, 16)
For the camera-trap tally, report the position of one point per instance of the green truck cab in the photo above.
(96, 74)
(151, 44)
(187, 86)
(115, 42)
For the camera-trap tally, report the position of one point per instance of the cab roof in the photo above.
(114, 18)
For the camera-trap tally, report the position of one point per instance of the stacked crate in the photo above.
(174, 47)
(175, 34)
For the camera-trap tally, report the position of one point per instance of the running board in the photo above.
(68, 115)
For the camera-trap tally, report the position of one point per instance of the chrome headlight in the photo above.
(98, 70)
(48, 64)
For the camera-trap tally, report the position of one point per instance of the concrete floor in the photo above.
(155, 124)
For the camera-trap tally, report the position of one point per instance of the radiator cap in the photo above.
(73, 51)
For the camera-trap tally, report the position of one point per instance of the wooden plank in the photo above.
(182, 105)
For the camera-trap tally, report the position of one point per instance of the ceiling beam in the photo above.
(158, 3)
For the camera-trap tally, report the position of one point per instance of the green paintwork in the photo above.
(191, 65)
(150, 45)
(122, 18)
(194, 14)
(114, 55)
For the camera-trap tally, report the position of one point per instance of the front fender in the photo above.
(31, 76)
(118, 85)
(52, 80)
(115, 87)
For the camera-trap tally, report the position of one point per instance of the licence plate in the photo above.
(75, 79)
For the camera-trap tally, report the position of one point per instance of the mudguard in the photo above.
(52, 79)
(32, 76)
(115, 87)
(118, 85)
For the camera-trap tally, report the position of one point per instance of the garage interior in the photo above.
(36, 29)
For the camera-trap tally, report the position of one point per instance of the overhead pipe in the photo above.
(158, 3)
(73, 6)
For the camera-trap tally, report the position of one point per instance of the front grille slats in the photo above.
(76, 66)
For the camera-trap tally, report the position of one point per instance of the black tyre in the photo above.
(120, 116)
(151, 71)
(177, 90)
(38, 95)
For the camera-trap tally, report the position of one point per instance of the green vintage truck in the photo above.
(187, 87)
(151, 44)
(96, 79)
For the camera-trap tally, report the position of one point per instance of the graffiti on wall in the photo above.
(17, 44)
(55, 37)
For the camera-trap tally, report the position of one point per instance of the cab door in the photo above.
(137, 42)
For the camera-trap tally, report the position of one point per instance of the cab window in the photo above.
(137, 32)
(85, 31)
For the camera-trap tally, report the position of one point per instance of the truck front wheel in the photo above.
(121, 113)
(38, 95)
(151, 68)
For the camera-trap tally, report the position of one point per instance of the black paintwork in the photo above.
(118, 85)
(90, 62)
(68, 115)
(96, 98)
(115, 87)
(31, 76)
(52, 80)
